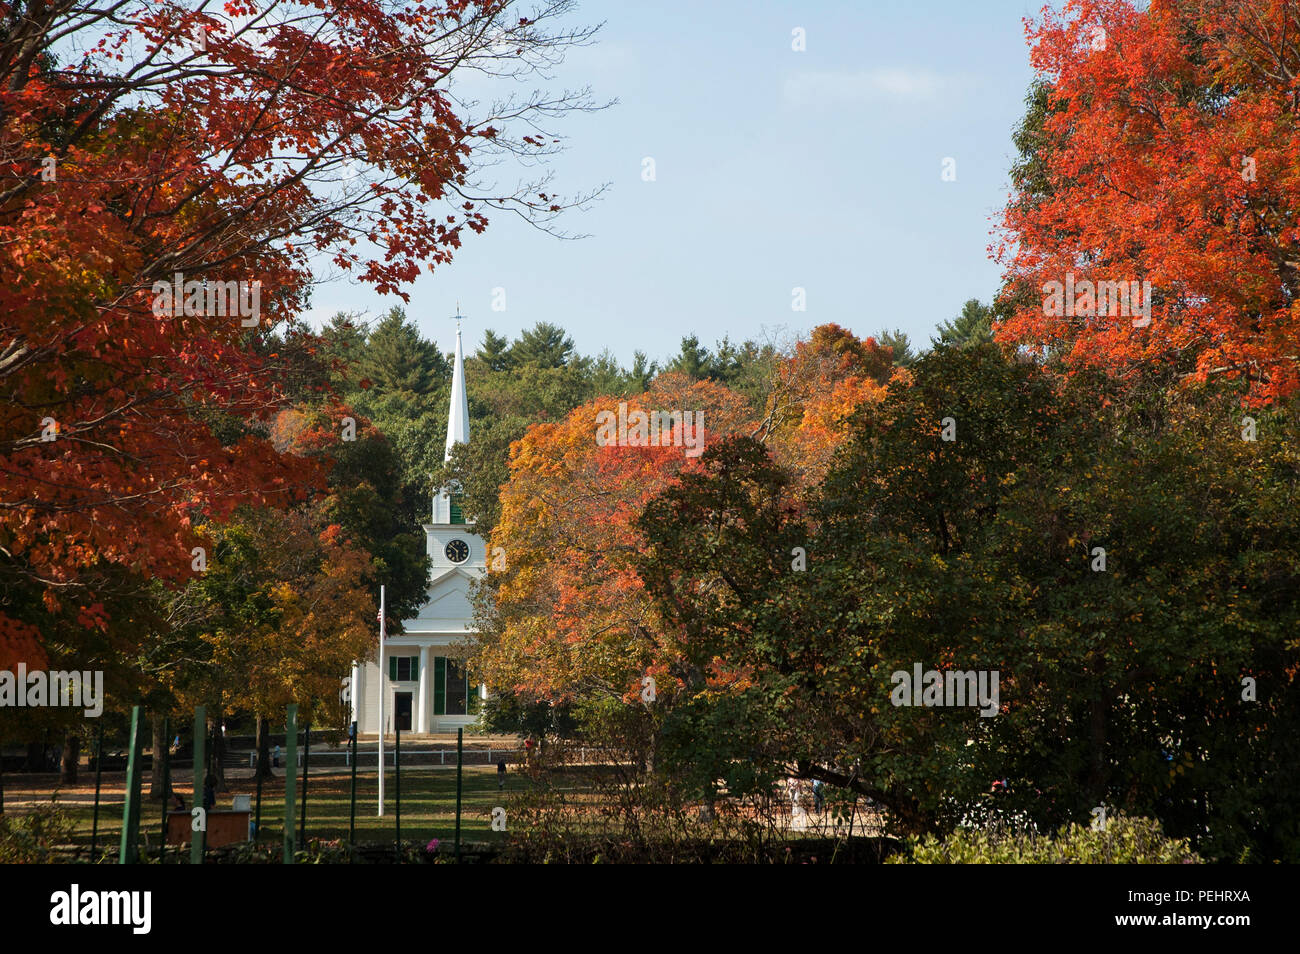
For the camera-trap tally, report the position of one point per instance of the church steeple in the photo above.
(458, 413)
(446, 502)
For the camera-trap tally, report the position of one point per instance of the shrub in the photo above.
(1123, 841)
(30, 838)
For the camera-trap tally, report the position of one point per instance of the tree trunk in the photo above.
(71, 755)
(156, 767)
(1098, 770)
(217, 754)
(652, 745)
(263, 749)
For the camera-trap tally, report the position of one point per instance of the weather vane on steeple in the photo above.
(458, 316)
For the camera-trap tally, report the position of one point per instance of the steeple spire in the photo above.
(458, 413)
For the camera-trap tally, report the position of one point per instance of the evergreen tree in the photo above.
(544, 346)
(607, 376)
(900, 344)
(397, 358)
(641, 373)
(693, 360)
(973, 326)
(494, 352)
(343, 341)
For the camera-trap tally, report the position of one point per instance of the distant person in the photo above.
(275, 758)
(501, 775)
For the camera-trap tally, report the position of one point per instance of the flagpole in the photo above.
(382, 694)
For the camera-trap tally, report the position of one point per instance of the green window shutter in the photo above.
(457, 516)
(415, 668)
(392, 668)
(439, 685)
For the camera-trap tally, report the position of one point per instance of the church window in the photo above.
(452, 692)
(403, 668)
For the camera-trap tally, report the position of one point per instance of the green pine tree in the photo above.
(398, 359)
(494, 352)
(901, 345)
(544, 346)
(973, 326)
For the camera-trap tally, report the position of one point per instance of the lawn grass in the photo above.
(428, 806)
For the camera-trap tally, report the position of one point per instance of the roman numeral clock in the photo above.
(457, 551)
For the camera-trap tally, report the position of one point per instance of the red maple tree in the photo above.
(211, 151)
(1167, 152)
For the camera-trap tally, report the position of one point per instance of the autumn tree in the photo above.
(1123, 560)
(567, 619)
(1159, 147)
(160, 195)
(278, 616)
(812, 393)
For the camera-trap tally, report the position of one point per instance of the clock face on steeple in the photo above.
(457, 551)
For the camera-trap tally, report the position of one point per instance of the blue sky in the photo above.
(774, 169)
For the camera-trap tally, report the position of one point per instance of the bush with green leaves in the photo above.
(1121, 841)
(31, 837)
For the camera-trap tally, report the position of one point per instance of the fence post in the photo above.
(306, 762)
(352, 814)
(290, 778)
(397, 783)
(99, 772)
(460, 746)
(128, 849)
(198, 839)
(166, 786)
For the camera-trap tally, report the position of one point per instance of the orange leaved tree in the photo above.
(1154, 223)
(166, 171)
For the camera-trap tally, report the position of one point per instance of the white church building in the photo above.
(425, 688)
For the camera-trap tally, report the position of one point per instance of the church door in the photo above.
(402, 710)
